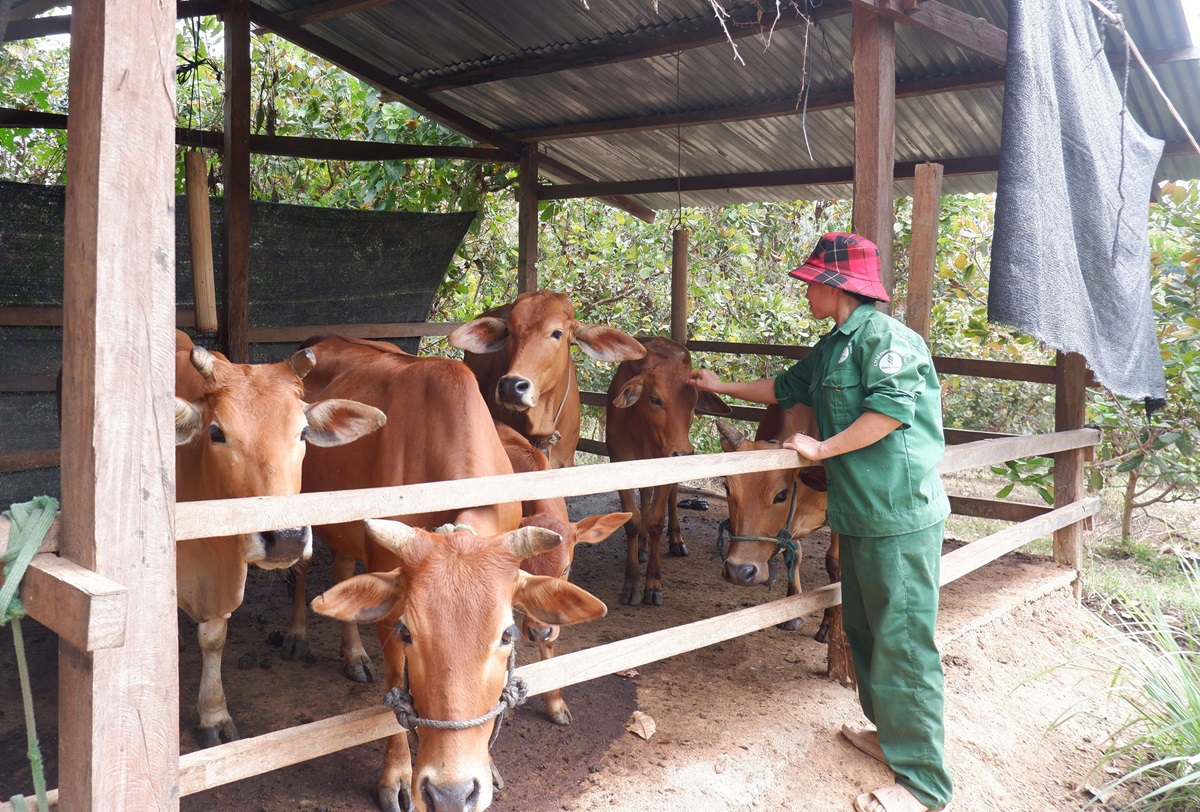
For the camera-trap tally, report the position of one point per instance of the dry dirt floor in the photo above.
(748, 724)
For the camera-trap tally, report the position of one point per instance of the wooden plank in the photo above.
(118, 708)
(233, 516)
(274, 335)
(85, 609)
(679, 285)
(874, 54)
(589, 446)
(37, 28)
(977, 553)
(558, 169)
(949, 23)
(27, 383)
(956, 436)
(236, 198)
(329, 10)
(922, 255)
(49, 543)
(204, 290)
(1070, 406)
(527, 220)
(53, 317)
(995, 509)
(29, 460)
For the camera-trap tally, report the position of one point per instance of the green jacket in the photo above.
(874, 363)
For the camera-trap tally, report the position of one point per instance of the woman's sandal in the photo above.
(892, 799)
(865, 738)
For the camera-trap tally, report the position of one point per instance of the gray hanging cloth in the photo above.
(1070, 252)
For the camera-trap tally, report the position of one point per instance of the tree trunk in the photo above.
(1127, 504)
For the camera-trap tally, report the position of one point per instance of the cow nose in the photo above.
(289, 540)
(514, 389)
(742, 575)
(460, 797)
(682, 453)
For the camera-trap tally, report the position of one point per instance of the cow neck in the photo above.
(545, 445)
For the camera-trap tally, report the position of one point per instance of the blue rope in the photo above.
(30, 523)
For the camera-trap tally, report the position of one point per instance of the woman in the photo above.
(872, 385)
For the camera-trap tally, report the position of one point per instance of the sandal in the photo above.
(865, 738)
(892, 799)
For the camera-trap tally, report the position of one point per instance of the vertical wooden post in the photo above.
(527, 220)
(237, 181)
(874, 44)
(200, 240)
(118, 713)
(922, 252)
(679, 287)
(1070, 408)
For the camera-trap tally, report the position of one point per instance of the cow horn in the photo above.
(732, 436)
(388, 534)
(203, 361)
(530, 541)
(302, 361)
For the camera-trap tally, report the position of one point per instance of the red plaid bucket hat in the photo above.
(845, 261)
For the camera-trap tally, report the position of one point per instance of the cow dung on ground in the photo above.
(748, 724)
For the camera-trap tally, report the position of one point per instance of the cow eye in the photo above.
(656, 400)
(509, 635)
(304, 434)
(403, 632)
(566, 572)
(215, 434)
(781, 496)
(557, 334)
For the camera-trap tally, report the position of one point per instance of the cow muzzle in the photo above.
(745, 574)
(516, 392)
(277, 549)
(461, 796)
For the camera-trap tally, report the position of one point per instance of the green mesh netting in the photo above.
(308, 266)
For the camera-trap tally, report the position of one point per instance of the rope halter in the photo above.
(545, 445)
(782, 540)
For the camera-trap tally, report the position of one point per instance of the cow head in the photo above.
(758, 506)
(450, 608)
(662, 399)
(245, 435)
(536, 333)
(556, 562)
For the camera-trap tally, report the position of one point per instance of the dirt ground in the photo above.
(748, 724)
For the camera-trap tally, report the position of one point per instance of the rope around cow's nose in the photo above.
(783, 539)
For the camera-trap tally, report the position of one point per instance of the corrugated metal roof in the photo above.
(508, 65)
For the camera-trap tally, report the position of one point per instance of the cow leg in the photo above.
(216, 725)
(833, 615)
(556, 706)
(295, 642)
(652, 528)
(395, 785)
(632, 533)
(674, 537)
(356, 663)
(795, 624)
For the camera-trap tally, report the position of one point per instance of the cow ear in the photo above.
(188, 420)
(814, 478)
(484, 334)
(527, 542)
(607, 343)
(630, 392)
(597, 528)
(709, 403)
(731, 438)
(555, 600)
(336, 422)
(363, 598)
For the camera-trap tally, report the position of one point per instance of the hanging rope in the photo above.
(30, 523)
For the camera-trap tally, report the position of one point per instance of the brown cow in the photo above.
(241, 430)
(446, 608)
(552, 515)
(532, 385)
(439, 429)
(765, 503)
(650, 407)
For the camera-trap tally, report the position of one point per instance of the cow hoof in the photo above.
(294, 648)
(628, 593)
(562, 718)
(212, 736)
(643, 556)
(679, 550)
(395, 799)
(822, 635)
(793, 625)
(361, 670)
(652, 597)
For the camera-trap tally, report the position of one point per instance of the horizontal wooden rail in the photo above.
(26, 383)
(29, 460)
(226, 763)
(269, 335)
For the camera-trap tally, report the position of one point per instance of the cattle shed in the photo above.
(645, 104)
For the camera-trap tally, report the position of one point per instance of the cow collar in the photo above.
(545, 445)
(783, 539)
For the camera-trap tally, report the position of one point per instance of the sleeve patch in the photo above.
(890, 362)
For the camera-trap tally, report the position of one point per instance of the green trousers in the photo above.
(889, 609)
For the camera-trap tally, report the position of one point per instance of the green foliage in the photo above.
(33, 77)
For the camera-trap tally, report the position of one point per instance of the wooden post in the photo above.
(237, 181)
(874, 46)
(922, 251)
(1070, 405)
(118, 711)
(527, 220)
(679, 288)
(200, 240)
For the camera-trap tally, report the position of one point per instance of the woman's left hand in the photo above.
(805, 446)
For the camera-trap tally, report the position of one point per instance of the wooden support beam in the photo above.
(951, 24)
(922, 254)
(204, 290)
(85, 609)
(268, 335)
(527, 220)
(29, 460)
(1070, 406)
(22, 26)
(995, 509)
(236, 200)
(679, 285)
(874, 55)
(118, 711)
(37, 28)
(557, 169)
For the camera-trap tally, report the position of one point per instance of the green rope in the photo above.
(30, 523)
